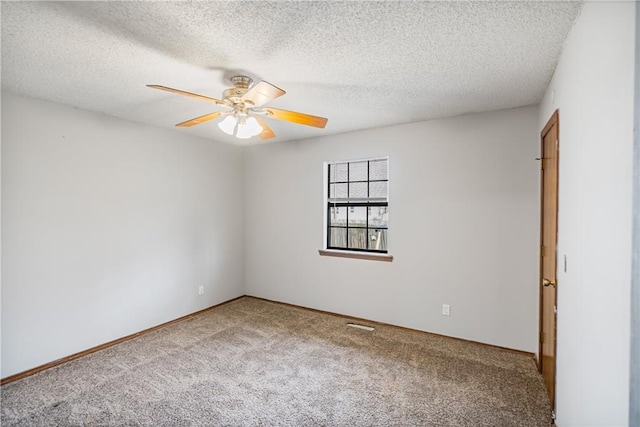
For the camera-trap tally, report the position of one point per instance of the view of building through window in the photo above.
(357, 207)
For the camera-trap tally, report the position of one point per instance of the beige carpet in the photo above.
(256, 363)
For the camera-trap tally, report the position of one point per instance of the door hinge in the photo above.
(542, 251)
(553, 415)
(541, 336)
(555, 309)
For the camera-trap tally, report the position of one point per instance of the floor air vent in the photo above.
(358, 326)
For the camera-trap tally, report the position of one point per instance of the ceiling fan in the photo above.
(244, 116)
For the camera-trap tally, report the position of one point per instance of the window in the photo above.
(358, 205)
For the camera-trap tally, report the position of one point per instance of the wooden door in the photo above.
(548, 258)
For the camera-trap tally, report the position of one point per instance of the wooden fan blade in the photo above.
(292, 116)
(262, 93)
(267, 132)
(182, 92)
(199, 120)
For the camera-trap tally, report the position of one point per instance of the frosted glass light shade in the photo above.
(248, 128)
(243, 132)
(253, 126)
(228, 125)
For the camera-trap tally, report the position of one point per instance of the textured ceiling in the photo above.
(361, 64)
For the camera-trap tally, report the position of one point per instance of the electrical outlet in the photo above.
(201, 290)
(446, 310)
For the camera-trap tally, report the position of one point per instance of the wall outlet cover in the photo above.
(446, 310)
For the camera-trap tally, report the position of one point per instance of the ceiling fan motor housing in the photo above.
(241, 86)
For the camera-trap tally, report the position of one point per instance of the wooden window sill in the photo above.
(357, 255)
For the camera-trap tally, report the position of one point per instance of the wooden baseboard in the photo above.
(359, 319)
(41, 368)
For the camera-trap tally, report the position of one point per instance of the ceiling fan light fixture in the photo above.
(248, 127)
(228, 125)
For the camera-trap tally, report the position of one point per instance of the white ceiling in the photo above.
(361, 64)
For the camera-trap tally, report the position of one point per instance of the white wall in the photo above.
(108, 228)
(593, 89)
(463, 227)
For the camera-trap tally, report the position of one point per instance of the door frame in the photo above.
(553, 120)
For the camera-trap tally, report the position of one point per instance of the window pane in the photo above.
(378, 189)
(338, 191)
(358, 190)
(338, 172)
(358, 238)
(378, 169)
(378, 239)
(379, 216)
(358, 171)
(358, 218)
(337, 237)
(338, 216)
